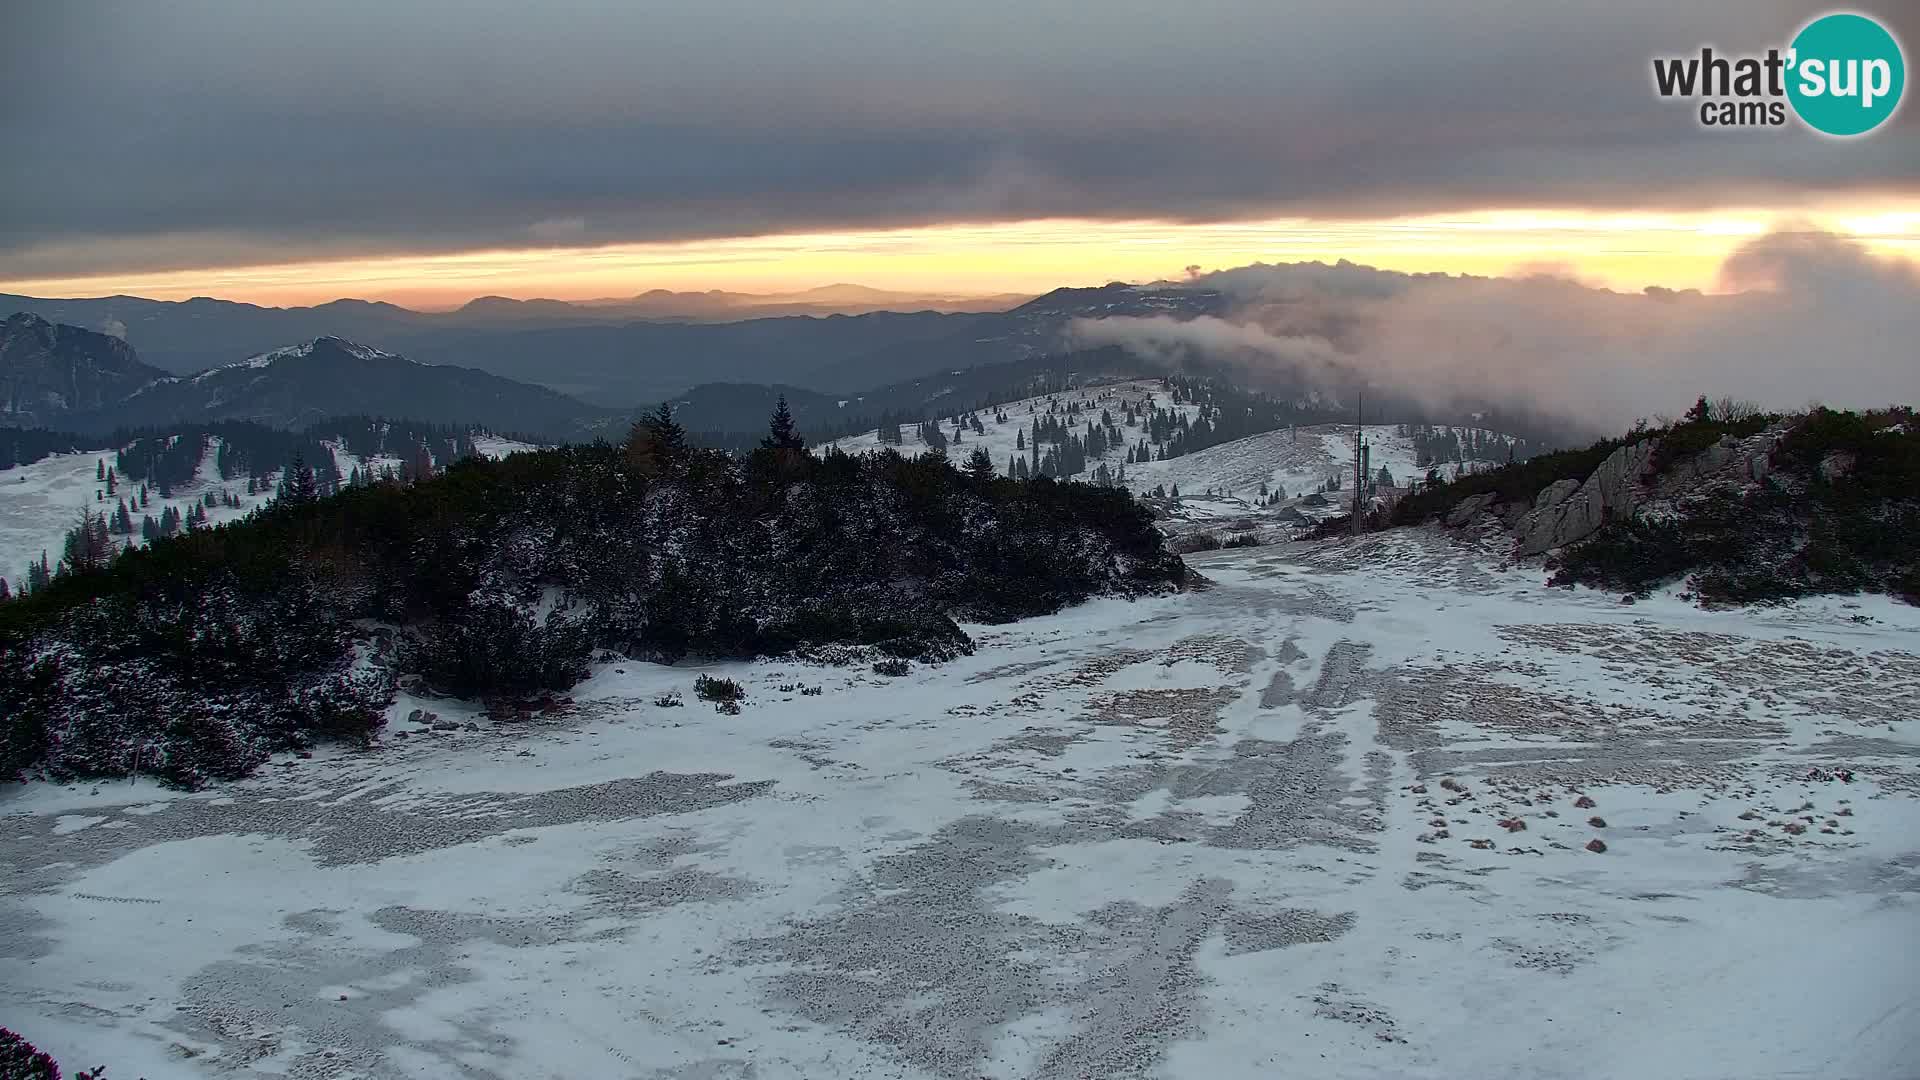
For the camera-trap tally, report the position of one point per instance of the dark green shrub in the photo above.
(708, 688)
(21, 1060)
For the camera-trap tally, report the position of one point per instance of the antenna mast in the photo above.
(1359, 470)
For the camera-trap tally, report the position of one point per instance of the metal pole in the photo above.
(1359, 434)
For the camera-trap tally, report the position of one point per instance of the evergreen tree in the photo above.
(298, 488)
(657, 443)
(100, 465)
(5, 593)
(89, 545)
(780, 433)
(38, 575)
(980, 465)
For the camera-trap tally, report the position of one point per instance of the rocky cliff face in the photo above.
(1568, 511)
(49, 372)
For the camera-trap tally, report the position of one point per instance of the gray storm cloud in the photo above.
(1818, 318)
(209, 132)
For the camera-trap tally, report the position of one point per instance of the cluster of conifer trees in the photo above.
(196, 655)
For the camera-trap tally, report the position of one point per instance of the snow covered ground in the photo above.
(1216, 483)
(40, 502)
(1249, 831)
(1002, 440)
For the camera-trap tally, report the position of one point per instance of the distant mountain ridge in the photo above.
(605, 356)
(89, 382)
(49, 371)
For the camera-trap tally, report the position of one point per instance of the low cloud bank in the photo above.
(1809, 317)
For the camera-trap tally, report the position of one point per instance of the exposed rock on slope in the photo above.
(1566, 511)
(1627, 481)
(1754, 509)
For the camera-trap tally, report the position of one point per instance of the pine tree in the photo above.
(298, 488)
(980, 465)
(780, 432)
(38, 576)
(5, 593)
(89, 545)
(656, 442)
(100, 465)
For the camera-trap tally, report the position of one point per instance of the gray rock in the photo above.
(1555, 493)
(1468, 509)
(1612, 491)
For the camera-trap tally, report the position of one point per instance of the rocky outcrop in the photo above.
(49, 372)
(1469, 508)
(1567, 510)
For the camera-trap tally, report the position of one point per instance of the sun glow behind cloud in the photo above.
(1623, 250)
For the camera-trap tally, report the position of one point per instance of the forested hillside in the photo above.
(198, 655)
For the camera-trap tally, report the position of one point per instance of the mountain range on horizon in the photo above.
(72, 379)
(605, 357)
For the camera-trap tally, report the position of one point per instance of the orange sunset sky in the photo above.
(1680, 249)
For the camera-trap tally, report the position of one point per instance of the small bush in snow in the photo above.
(708, 688)
(669, 700)
(892, 665)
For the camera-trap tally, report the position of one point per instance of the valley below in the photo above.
(1385, 807)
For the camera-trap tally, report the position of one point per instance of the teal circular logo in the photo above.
(1847, 74)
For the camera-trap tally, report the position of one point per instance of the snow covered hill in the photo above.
(1368, 810)
(1218, 482)
(41, 501)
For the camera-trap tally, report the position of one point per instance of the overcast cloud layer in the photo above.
(1808, 317)
(142, 135)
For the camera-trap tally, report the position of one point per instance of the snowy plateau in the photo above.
(1371, 808)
